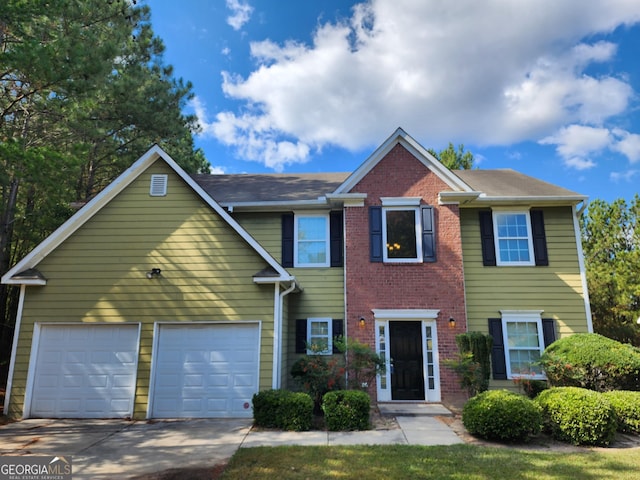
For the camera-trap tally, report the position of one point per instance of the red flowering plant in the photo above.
(531, 387)
(317, 375)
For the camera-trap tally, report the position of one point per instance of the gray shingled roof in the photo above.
(509, 183)
(291, 187)
(268, 187)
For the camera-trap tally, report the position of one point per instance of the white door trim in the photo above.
(428, 321)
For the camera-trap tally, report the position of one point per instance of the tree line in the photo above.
(84, 91)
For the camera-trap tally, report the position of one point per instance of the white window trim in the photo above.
(296, 218)
(418, 233)
(400, 201)
(521, 316)
(329, 322)
(496, 238)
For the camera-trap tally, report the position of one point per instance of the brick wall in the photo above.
(438, 285)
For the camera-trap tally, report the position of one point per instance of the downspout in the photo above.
(14, 348)
(583, 271)
(277, 331)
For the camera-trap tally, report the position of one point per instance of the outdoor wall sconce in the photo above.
(361, 322)
(452, 322)
(154, 273)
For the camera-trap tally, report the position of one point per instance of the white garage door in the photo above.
(205, 371)
(85, 371)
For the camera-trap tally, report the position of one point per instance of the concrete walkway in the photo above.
(105, 449)
(419, 425)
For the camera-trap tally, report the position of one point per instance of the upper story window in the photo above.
(514, 243)
(513, 237)
(312, 239)
(401, 234)
(311, 242)
(402, 231)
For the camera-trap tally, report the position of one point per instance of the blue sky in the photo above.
(551, 89)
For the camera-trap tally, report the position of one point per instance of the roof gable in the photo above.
(15, 276)
(417, 150)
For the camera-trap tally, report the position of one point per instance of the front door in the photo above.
(405, 349)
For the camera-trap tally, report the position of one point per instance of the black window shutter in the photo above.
(335, 238)
(375, 234)
(539, 238)
(287, 240)
(338, 331)
(548, 331)
(428, 234)
(486, 239)
(301, 335)
(498, 362)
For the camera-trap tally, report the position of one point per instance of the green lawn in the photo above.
(442, 462)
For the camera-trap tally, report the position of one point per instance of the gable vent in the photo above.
(158, 186)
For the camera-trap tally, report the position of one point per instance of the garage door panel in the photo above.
(85, 371)
(200, 372)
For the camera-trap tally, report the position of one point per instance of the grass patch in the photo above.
(457, 462)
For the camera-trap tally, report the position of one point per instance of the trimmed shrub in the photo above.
(501, 415)
(479, 345)
(578, 416)
(626, 406)
(346, 410)
(591, 361)
(283, 409)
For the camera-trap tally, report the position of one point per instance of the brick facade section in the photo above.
(438, 285)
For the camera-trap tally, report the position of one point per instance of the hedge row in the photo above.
(286, 410)
(570, 414)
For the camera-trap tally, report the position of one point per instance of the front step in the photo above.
(403, 409)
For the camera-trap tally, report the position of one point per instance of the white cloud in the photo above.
(240, 13)
(627, 176)
(628, 145)
(576, 143)
(485, 73)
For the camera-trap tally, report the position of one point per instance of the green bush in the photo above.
(626, 406)
(346, 410)
(283, 409)
(591, 361)
(479, 345)
(578, 416)
(501, 415)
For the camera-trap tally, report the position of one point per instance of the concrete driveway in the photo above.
(122, 449)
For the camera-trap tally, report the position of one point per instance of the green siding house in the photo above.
(171, 295)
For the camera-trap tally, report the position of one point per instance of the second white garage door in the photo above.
(205, 370)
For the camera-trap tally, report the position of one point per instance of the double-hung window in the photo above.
(311, 240)
(524, 344)
(513, 238)
(319, 336)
